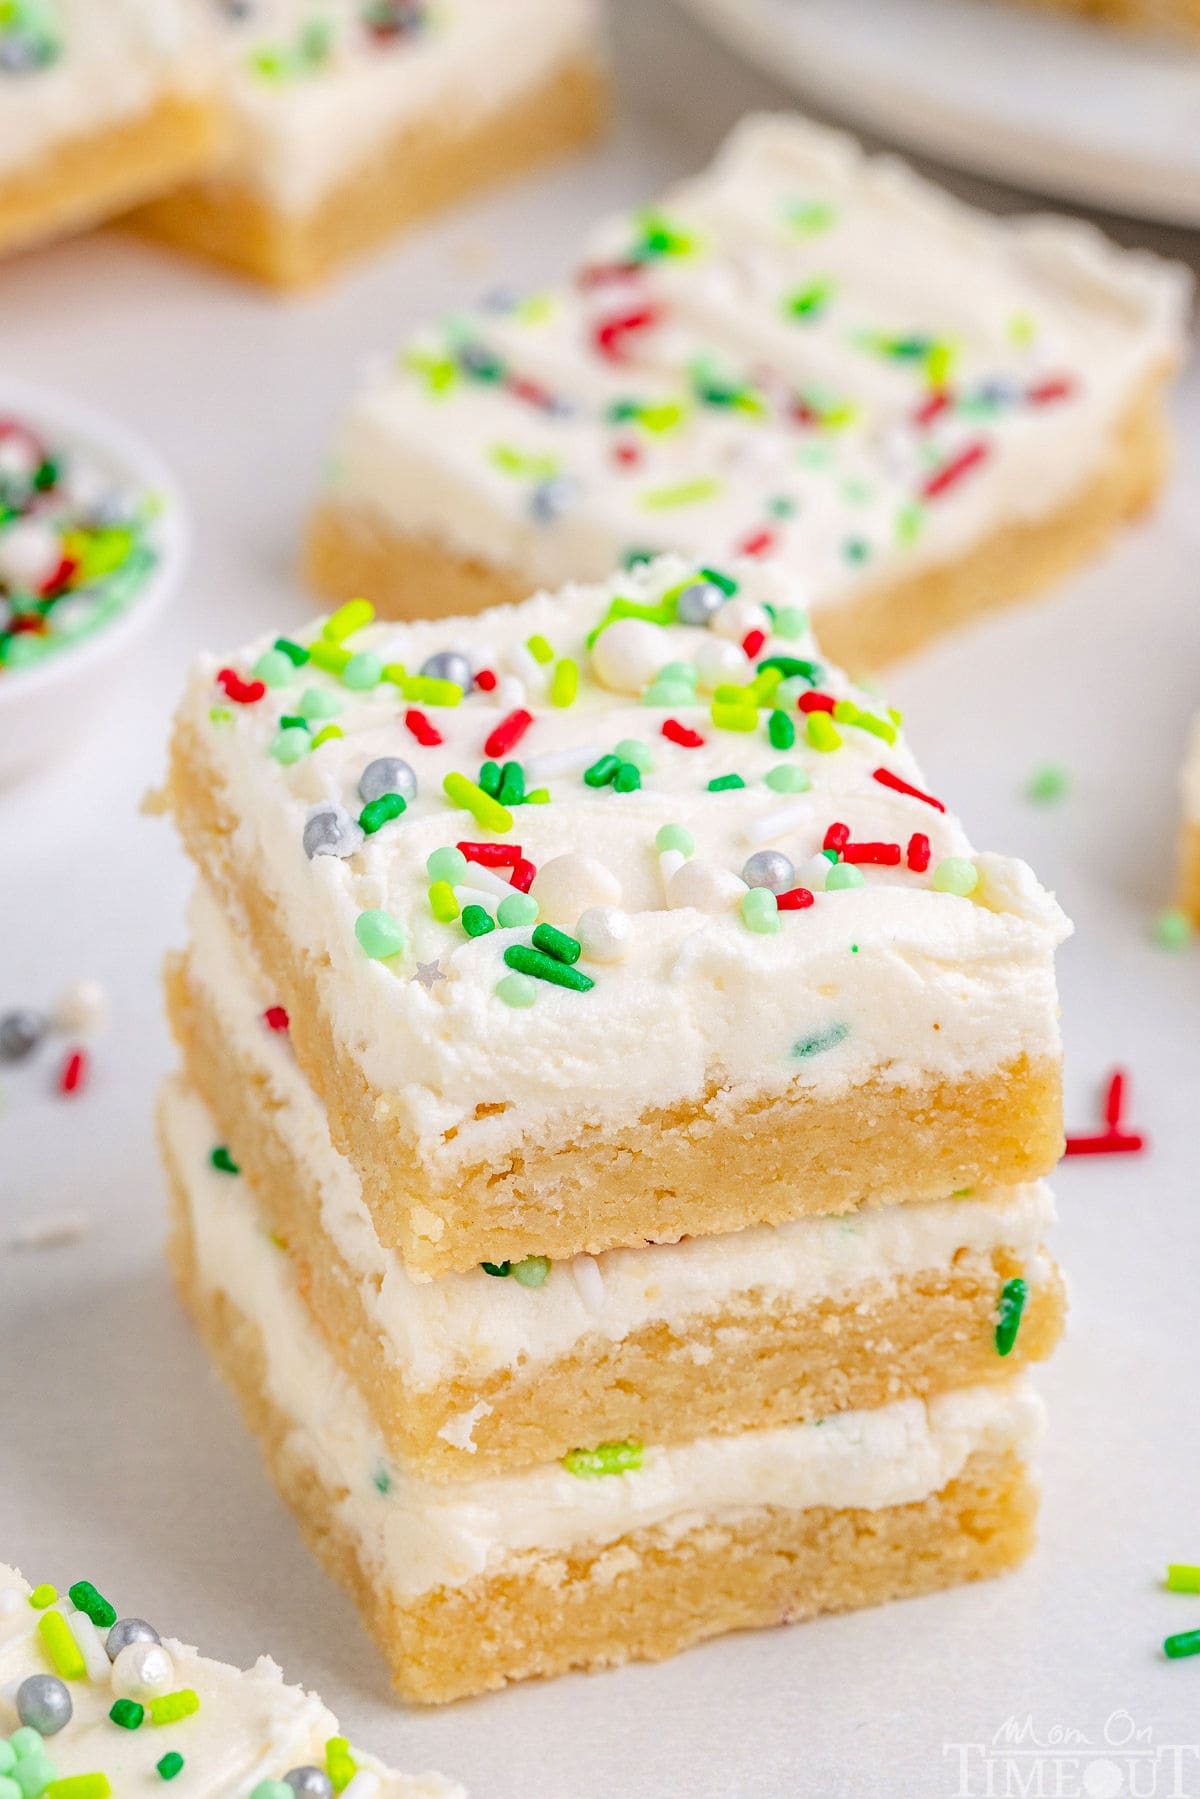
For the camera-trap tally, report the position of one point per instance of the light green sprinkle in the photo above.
(1173, 930)
(842, 876)
(955, 874)
(790, 622)
(290, 744)
(272, 1789)
(539, 649)
(1048, 785)
(379, 935)
(42, 1596)
(669, 693)
(319, 702)
(274, 668)
(681, 493)
(220, 715)
(516, 910)
(820, 1041)
(350, 617)
(516, 990)
(606, 1458)
(363, 671)
(683, 672)
(448, 864)
(169, 1708)
(340, 1765)
(632, 749)
(728, 717)
(442, 902)
(787, 779)
(326, 734)
(760, 911)
(486, 811)
(822, 733)
(74, 1786)
(332, 657)
(565, 684)
(532, 1271)
(675, 837)
(1183, 1577)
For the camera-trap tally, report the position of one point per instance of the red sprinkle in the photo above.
(609, 334)
(795, 901)
(277, 1018)
(918, 852)
(485, 679)
(680, 734)
(522, 875)
(597, 274)
(59, 579)
(31, 623)
(1106, 1143)
(530, 391)
(931, 408)
(1114, 1099)
(422, 730)
(491, 855)
(1059, 387)
(626, 455)
(953, 471)
(753, 642)
(242, 693)
(508, 733)
(836, 836)
(816, 702)
(883, 855)
(757, 543)
(886, 778)
(74, 1072)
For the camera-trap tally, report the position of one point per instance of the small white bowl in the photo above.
(49, 704)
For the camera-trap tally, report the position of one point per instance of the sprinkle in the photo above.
(379, 935)
(608, 334)
(127, 1713)
(1172, 929)
(442, 902)
(169, 1708)
(757, 543)
(821, 1041)
(347, 619)
(485, 680)
(516, 990)
(532, 1271)
(422, 730)
(882, 855)
(318, 702)
(795, 900)
(844, 876)
(918, 853)
(428, 974)
(274, 668)
(776, 824)
(499, 1270)
(1013, 1295)
(78, 1786)
(1106, 1143)
(556, 943)
(781, 731)
(760, 910)
(377, 813)
(886, 778)
(276, 1018)
(85, 1598)
(606, 1458)
(725, 783)
(1047, 785)
(170, 1765)
(73, 1076)
(734, 718)
(787, 779)
(836, 836)
(508, 733)
(61, 1646)
(340, 1765)
(1183, 1577)
(675, 837)
(753, 642)
(539, 649)
(680, 734)
(632, 749)
(485, 810)
(329, 656)
(821, 731)
(523, 873)
(42, 1596)
(450, 862)
(546, 968)
(517, 911)
(221, 1159)
(242, 693)
(602, 771)
(1184, 1643)
(957, 875)
(565, 684)
(296, 654)
(950, 473)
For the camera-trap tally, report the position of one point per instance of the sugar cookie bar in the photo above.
(351, 119)
(625, 1553)
(481, 1371)
(100, 106)
(93, 1705)
(923, 410)
(657, 933)
(1189, 846)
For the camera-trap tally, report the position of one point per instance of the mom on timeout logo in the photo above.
(1120, 1760)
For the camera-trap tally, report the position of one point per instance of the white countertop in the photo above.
(123, 1460)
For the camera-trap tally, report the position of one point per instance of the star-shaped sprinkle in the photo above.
(428, 973)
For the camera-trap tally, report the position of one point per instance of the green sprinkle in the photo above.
(606, 1458)
(602, 771)
(821, 731)
(787, 779)
(539, 649)
(220, 715)
(85, 1598)
(221, 1158)
(683, 672)
(381, 1479)
(347, 619)
(669, 693)
(538, 796)
(127, 1713)
(1172, 930)
(497, 1270)
(955, 874)
(760, 911)
(565, 684)
(627, 779)
(477, 922)
(1184, 1643)
(378, 934)
(681, 493)
(843, 876)
(169, 1708)
(442, 902)
(489, 778)
(556, 943)
(781, 730)
(448, 864)
(170, 1765)
(734, 718)
(485, 810)
(725, 783)
(274, 668)
(632, 749)
(42, 1596)
(547, 968)
(296, 654)
(290, 745)
(74, 1786)
(808, 302)
(340, 1765)
(516, 990)
(792, 668)
(674, 837)
(319, 702)
(290, 723)
(1183, 1577)
(329, 656)
(377, 813)
(1047, 785)
(1013, 1295)
(820, 1041)
(363, 671)
(532, 1271)
(511, 791)
(790, 622)
(720, 579)
(26, 1743)
(272, 1789)
(516, 910)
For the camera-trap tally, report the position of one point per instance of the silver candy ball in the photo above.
(44, 1703)
(448, 665)
(329, 830)
(388, 774)
(550, 499)
(698, 602)
(309, 1783)
(126, 1631)
(770, 869)
(20, 1034)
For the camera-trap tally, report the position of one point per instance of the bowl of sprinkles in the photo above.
(92, 543)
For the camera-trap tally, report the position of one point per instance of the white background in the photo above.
(122, 1460)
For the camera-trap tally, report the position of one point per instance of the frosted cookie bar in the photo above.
(805, 352)
(514, 1364)
(616, 916)
(625, 1551)
(101, 105)
(93, 1705)
(351, 119)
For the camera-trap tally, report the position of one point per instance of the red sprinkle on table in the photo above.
(680, 734)
(816, 702)
(1112, 1140)
(795, 900)
(883, 855)
(508, 733)
(74, 1072)
(918, 852)
(753, 642)
(952, 472)
(276, 1017)
(486, 680)
(242, 693)
(425, 733)
(886, 778)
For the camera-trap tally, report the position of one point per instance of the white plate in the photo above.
(1062, 106)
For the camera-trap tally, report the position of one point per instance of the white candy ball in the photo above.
(718, 660)
(30, 551)
(605, 934)
(629, 653)
(142, 1671)
(568, 885)
(738, 617)
(81, 1008)
(706, 886)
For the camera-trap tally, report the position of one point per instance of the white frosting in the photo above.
(249, 1726)
(1013, 307)
(119, 58)
(470, 1325)
(1191, 777)
(893, 980)
(299, 139)
(417, 1535)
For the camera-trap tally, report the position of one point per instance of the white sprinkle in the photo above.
(589, 1280)
(364, 1785)
(477, 896)
(56, 1232)
(771, 825)
(87, 1638)
(668, 862)
(811, 874)
(560, 762)
(488, 879)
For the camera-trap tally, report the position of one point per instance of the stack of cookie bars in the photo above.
(607, 1159)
